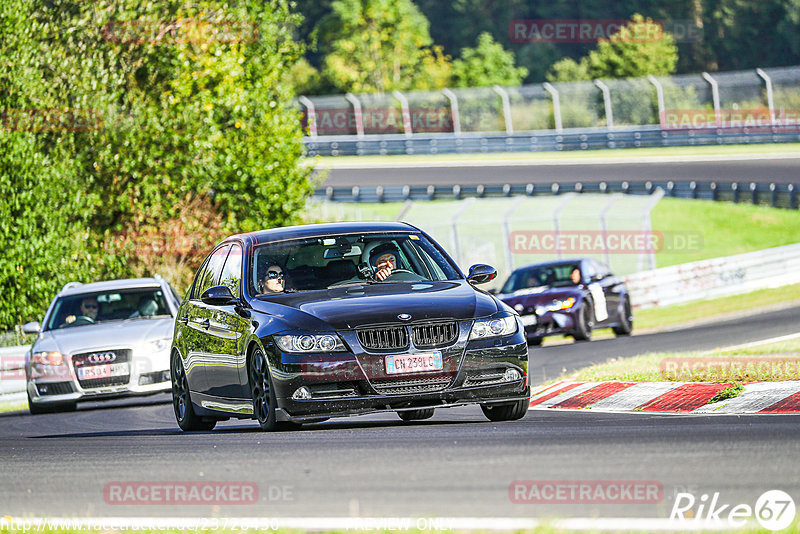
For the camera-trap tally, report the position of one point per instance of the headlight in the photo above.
(493, 327)
(157, 345)
(310, 343)
(557, 305)
(47, 358)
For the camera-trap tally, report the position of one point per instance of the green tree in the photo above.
(486, 64)
(376, 45)
(641, 47)
(187, 129)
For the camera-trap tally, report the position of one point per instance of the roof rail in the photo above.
(70, 285)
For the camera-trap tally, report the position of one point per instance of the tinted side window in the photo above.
(211, 272)
(232, 272)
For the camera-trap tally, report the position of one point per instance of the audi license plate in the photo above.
(528, 320)
(102, 371)
(413, 363)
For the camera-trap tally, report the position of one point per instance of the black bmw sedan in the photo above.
(305, 323)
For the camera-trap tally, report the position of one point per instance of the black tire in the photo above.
(188, 421)
(416, 415)
(262, 392)
(506, 412)
(38, 409)
(625, 326)
(584, 322)
(535, 342)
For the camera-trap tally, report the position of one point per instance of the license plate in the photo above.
(528, 320)
(102, 371)
(413, 363)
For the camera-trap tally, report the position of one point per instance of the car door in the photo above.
(201, 346)
(228, 325)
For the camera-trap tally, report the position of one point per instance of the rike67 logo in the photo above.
(774, 510)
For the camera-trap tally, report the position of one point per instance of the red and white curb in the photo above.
(669, 397)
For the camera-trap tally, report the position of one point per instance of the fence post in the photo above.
(311, 113)
(604, 225)
(407, 128)
(353, 99)
(715, 97)
(754, 192)
(607, 103)
(451, 96)
(454, 227)
(556, 213)
(770, 100)
(659, 98)
(556, 105)
(506, 108)
(792, 197)
(735, 188)
(507, 232)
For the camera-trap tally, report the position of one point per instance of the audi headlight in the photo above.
(557, 305)
(47, 358)
(310, 343)
(493, 327)
(157, 345)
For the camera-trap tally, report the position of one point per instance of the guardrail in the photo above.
(12, 371)
(776, 195)
(542, 141)
(718, 277)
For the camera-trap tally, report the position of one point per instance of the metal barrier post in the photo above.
(607, 103)
(506, 108)
(648, 227)
(556, 213)
(407, 128)
(454, 227)
(507, 232)
(715, 97)
(556, 105)
(659, 98)
(770, 100)
(311, 114)
(451, 96)
(792, 197)
(604, 224)
(357, 112)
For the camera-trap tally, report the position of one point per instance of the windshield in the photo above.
(544, 275)
(319, 263)
(100, 307)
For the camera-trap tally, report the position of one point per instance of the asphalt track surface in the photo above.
(781, 171)
(456, 464)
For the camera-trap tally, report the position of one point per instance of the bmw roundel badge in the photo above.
(404, 316)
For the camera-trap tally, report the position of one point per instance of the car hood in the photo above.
(534, 296)
(359, 305)
(113, 334)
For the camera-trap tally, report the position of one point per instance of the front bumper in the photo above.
(148, 373)
(342, 384)
(549, 324)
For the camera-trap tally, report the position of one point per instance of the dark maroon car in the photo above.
(568, 297)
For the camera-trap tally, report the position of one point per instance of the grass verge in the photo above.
(762, 363)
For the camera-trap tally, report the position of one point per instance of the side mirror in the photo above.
(218, 296)
(597, 277)
(31, 328)
(480, 274)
